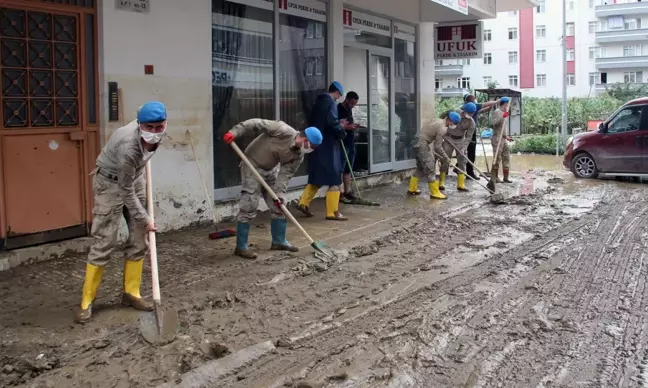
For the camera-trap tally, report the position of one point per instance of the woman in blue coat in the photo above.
(325, 163)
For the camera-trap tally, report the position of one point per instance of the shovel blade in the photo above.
(159, 327)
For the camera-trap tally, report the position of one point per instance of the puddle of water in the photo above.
(526, 162)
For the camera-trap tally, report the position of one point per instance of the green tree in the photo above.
(626, 92)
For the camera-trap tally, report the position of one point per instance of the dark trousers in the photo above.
(472, 151)
(471, 154)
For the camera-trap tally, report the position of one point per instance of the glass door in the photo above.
(380, 144)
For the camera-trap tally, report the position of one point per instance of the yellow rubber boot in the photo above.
(310, 191)
(435, 193)
(442, 176)
(90, 286)
(461, 182)
(132, 281)
(332, 206)
(413, 186)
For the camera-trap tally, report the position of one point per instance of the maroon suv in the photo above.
(619, 147)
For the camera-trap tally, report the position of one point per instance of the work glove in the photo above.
(506, 114)
(228, 137)
(278, 202)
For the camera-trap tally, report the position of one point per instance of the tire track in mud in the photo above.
(292, 363)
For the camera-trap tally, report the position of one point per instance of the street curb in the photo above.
(210, 373)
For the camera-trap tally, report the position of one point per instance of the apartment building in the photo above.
(607, 42)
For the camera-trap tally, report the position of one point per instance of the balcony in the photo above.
(448, 70)
(622, 62)
(451, 92)
(621, 8)
(614, 36)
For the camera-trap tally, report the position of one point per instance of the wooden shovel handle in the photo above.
(155, 279)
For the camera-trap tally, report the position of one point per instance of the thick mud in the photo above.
(543, 290)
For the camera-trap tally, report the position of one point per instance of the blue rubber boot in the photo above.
(242, 250)
(278, 229)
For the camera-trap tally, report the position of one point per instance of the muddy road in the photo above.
(546, 291)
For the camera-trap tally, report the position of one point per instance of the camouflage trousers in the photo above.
(504, 154)
(252, 191)
(449, 150)
(425, 162)
(106, 220)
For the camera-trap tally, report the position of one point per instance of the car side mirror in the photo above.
(601, 127)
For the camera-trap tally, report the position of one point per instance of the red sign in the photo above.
(347, 17)
(592, 125)
(283, 4)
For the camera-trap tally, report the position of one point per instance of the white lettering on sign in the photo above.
(363, 22)
(457, 5)
(139, 6)
(310, 9)
(404, 32)
(459, 40)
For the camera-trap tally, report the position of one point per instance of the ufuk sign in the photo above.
(461, 40)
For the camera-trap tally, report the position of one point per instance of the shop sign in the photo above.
(405, 32)
(457, 5)
(264, 4)
(309, 9)
(368, 23)
(460, 40)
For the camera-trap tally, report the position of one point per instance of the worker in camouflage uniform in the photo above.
(119, 188)
(277, 152)
(460, 137)
(431, 133)
(498, 122)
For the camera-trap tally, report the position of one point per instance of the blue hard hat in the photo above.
(504, 100)
(454, 117)
(338, 86)
(313, 135)
(152, 112)
(470, 107)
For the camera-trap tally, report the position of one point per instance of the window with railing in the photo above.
(594, 78)
(633, 50)
(463, 82)
(513, 81)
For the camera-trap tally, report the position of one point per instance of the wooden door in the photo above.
(45, 147)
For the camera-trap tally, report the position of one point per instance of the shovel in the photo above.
(467, 160)
(159, 326)
(491, 183)
(359, 201)
(317, 245)
(465, 173)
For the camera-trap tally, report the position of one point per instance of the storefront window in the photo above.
(302, 62)
(242, 77)
(405, 91)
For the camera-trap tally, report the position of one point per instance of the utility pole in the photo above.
(564, 69)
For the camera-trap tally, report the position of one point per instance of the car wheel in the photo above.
(584, 166)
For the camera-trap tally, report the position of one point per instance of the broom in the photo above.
(218, 234)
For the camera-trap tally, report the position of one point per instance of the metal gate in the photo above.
(49, 122)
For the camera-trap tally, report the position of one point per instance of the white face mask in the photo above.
(150, 137)
(452, 126)
(305, 150)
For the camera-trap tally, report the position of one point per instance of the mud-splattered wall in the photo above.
(174, 37)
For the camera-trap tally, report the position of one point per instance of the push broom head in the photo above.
(222, 234)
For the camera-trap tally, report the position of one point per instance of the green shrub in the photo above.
(543, 115)
(539, 144)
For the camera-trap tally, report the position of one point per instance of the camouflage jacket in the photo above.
(274, 144)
